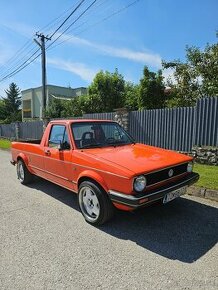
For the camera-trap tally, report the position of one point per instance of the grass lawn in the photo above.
(208, 176)
(5, 144)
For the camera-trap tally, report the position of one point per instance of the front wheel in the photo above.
(94, 203)
(23, 173)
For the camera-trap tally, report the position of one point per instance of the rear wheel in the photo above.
(23, 173)
(94, 203)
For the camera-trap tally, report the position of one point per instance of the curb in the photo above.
(203, 192)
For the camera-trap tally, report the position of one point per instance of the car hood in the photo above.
(139, 158)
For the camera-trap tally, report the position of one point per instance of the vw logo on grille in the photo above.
(170, 173)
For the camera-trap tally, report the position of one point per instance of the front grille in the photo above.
(162, 175)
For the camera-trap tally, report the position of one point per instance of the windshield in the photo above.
(99, 134)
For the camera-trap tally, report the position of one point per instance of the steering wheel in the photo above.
(85, 134)
(110, 140)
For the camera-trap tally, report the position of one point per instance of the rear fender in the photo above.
(25, 159)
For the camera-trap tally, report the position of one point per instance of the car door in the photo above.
(58, 162)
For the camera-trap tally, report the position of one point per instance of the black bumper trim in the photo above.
(136, 201)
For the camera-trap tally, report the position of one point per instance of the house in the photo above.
(32, 99)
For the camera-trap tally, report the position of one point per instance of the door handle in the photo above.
(47, 152)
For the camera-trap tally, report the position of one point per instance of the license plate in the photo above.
(174, 194)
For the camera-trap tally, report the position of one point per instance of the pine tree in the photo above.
(13, 99)
(12, 104)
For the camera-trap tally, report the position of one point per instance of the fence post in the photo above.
(17, 131)
(122, 117)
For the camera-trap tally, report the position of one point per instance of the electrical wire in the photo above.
(17, 62)
(55, 21)
(77, 7)
(49, 47)
(19, 68)
(94, 24)
(19, 56)
(27, 44)
(73, 23)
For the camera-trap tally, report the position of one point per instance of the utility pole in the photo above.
(41, 44)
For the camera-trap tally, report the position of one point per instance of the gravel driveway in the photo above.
(46, 244)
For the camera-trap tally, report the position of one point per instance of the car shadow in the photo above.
(183, 230)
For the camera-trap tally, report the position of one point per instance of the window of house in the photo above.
(27, 113)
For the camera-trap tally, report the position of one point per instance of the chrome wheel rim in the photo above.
(20, 171)
(89, 203)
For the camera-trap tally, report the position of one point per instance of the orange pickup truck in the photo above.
(102, 163)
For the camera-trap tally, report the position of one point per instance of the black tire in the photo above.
(23, 173)
(94, 203)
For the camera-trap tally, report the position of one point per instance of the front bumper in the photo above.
(147, 197)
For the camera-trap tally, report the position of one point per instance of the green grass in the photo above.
(5, 144)
(208, 176)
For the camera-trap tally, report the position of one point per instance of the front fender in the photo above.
(95, 176)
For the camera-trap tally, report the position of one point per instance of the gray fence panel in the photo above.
(31, 130)
(207, 122)
(8, 130)
(177, 128)
(100, 116)
(166, 128)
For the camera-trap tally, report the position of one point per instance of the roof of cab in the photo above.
(70, 121)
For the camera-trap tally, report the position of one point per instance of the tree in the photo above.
(151, 90)
(3, 112)
(77, 106)
(55, 108)
(196, 77)
(12, 103)
(131, 96)
(13, 99)
(106, 92)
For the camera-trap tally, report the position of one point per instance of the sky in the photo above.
(106, 37)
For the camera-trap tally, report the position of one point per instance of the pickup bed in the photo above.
(101, 162)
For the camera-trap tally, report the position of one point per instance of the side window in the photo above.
(58, 135)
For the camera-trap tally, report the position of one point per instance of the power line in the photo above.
(77, 7)
(17, 62)
(94, 24)
(52, 22)
(14, 60)
(92, 14)
(19, 68)
(30, 60)
(73, 22)
(18, 52)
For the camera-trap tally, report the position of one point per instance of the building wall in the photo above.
(37, 103)
(33, 109)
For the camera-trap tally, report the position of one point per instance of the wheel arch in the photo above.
(94, 177)
(22, 157)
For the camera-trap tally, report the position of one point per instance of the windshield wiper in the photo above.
(87, 146)
(117, 143)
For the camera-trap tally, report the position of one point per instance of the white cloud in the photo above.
(145, 57)
(148, 58)
(79, 69)
(21, 28)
